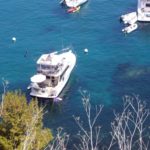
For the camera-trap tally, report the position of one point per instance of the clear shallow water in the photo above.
(115, 65)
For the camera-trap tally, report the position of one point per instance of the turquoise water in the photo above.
(115, 65)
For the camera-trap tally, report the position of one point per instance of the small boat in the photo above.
(73, 3)
(130, 28)
(73, 9)
(53, 72)
(57, 99)
(129, 18)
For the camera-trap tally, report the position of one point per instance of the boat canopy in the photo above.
(38, 78)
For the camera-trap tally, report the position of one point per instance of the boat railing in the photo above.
(35, 87)
(48, 72)
(66, 49)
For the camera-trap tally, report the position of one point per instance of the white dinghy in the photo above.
(129, 18)
(53, 72)
(130, 28)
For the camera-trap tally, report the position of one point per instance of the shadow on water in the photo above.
(145, 26)
(55, 108)
(128, 79)
(60, 12)
(51, 29)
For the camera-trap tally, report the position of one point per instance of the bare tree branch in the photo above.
(89, 138)
(5, 85)
(60, 141)
(128, 127)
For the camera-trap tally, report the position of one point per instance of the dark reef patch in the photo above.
(50, 29)
(131, 79)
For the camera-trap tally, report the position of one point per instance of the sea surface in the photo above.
(115, 65)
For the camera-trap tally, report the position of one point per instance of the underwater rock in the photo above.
(129, 79)
(128, 71)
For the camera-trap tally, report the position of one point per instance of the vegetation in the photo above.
(59, 142)
(21, 125)
(89, 137)
(130, 128)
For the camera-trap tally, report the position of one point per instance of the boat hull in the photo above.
(76, 3)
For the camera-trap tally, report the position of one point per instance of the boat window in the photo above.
(39, 71)
(148, 5)
(41, 85)
(49, 69)
(54, 81)
(45, 67)
(47, 77)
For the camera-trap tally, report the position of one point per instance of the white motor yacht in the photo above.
(53, 72)
(143, 10)
(73, 3)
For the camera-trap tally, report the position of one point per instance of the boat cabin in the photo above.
(49, 64)
(53, 72)
(49, 70)
(53, 67)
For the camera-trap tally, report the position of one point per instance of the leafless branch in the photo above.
(5, 85)
(31, 132)
(60, 141)
(128, 127)
(89, 138)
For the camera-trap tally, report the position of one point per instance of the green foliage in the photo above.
(21, 124)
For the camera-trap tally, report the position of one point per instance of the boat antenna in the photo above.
(62, 43)
(26, 53)
(71, 46)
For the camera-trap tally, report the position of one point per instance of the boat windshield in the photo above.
(147, 4)
(49, 69)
